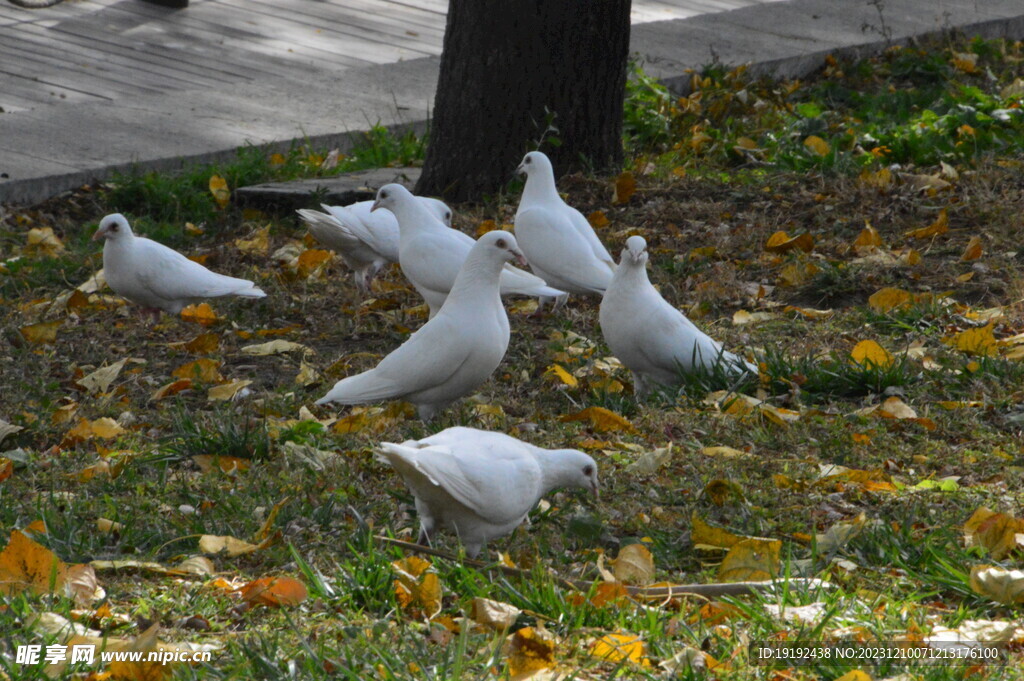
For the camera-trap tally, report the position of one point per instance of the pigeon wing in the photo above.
(429, 358)
(568, 253)
(434, 260)
(169, 275)
(499, 489)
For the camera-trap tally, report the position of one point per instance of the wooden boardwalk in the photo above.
(109, 50)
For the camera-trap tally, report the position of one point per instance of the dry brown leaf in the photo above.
(41, 333)
(99, 381)
(528, 652)
(228, 391)
(890, 298)
(598, 219)
(634, 565)
(201, 314)
(940, 226)
(275, 592)
(625, 187)
(493, 614)
(41, 241)
(231, 546)
(417, 589)
(781, 242)
(275, 347)
(741, 317)
(172, 388)
(204, 370)
(751, 560)
(973, 250)
(998, 584)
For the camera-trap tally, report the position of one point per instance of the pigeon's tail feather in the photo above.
(361, 388)
(521, 282)
(327, 229)
(253, 291)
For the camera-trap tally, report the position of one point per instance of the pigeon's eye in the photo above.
(383, 195)
(113, 228)
(527, 160)
(588, 471)
(500, 243)
(448, 217)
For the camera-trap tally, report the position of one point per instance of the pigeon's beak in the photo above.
(519, 257)
(100, 233)
(596, 491)
(521, 169)
(375, 206)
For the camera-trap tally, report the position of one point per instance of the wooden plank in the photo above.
(374, 14)
(344, 26)
(221, 27)
(198, 48)
(89, 60)
(22, 90)
(19, 64)
(31, 61)
(118, 50)
(296, 38)
(436, 6)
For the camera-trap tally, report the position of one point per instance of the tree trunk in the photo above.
(511, 68)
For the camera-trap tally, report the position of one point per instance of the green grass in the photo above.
(909, 105)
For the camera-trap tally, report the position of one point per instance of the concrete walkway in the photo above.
(93, 86)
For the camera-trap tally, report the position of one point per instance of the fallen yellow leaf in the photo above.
(868, 354)
(817, 145)
(618, 648)
(220, 191)
(973, 250)
(601, 419)
(940, 226)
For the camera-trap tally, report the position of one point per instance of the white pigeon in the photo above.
(653, 339)
(482, 484)
(431, 255)
(455, 352)
(367, 241)
(157, 277)
(559, 243)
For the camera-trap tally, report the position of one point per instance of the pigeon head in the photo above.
(535, 161)
(113, 226)
(579, 470)
(504, 243)
(439, 209)
(389, 195)
(635, 252)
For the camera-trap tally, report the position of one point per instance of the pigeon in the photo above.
(482, 484)
(157, 277)
(367, 241)
(431, 255)
(653, 339)
(559, 243)
(455, 352)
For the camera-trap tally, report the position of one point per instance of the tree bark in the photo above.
(510, 68)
